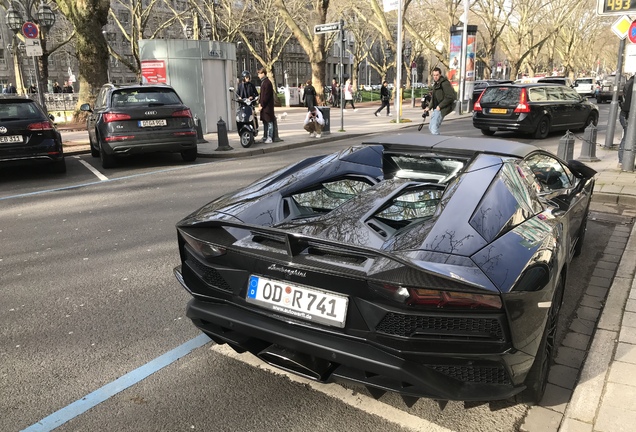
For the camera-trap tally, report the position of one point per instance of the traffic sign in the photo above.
(621, 26)
(631, 34)
(33, 47)
(327, 28)
(30, 30)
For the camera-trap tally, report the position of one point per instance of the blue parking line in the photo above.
(102, 394)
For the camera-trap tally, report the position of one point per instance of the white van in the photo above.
(585, 86)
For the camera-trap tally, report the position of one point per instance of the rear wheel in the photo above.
(581, 237)
(537, 378)
(189, 155)
(94, 148)
(487, 132)
(108, 161)
(543, 128)
(247, 139)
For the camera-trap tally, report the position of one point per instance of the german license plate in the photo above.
(498, 111)
(11, 139)
(299, 301)
(152, 123)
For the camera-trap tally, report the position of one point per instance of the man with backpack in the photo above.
(442, 101)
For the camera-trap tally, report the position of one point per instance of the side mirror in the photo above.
(85, 107)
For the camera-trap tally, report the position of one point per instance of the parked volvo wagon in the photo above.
(535, 109)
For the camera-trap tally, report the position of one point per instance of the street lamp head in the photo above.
(14, 19)
(46, 17)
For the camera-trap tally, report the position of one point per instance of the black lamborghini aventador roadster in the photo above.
(430, 266)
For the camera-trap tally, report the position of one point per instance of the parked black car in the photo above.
(535, 109)
(426, 265)
(133, 119)
(28, 135)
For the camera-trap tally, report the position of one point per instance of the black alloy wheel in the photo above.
(537, 378)
(189, 155)
(108, 161)
(94, 148)
(591, 119)
(581, 234)
(58, 166)
(543, 128)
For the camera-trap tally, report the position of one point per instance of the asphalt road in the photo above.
(87, 296)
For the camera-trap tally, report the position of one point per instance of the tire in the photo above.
(591, 119)
(108, 161)
(94, 148)
(58, 167)
(543, 128)
(189, 155)
(581, 236)
(487, 132)
(537, 378)
(247, 139)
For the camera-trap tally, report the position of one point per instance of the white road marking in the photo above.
(355, 400)
(99, 175)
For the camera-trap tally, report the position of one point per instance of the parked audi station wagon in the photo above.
(535, 109)
(134, 119)
(28, 135)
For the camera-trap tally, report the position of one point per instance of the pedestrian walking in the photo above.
(68, 88)
(57, 88)
(385, 97)
(348, 92)
(11, 89)
(309, 95)
(442, 100)
(624, 115)
(314, 122)
(267, 106)
(335, 93)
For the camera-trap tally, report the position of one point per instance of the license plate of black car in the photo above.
(11, 139)
(152, 123)
(310, 304)
(498, 111)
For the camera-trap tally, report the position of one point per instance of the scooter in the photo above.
(245, 119)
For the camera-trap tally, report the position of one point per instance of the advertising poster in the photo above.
(153, 71)
(455, 53)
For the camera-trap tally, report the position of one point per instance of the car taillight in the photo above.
(452, 299)
(203, 248)
(45, 125)
(477, 105)
(523, 106)
(437, 299)
(189, 133)
(111, 117)
(182, 113)
(119, 138)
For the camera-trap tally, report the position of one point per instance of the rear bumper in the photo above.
(439, 375)
(47, 150)
(522, 125)
(149, 145)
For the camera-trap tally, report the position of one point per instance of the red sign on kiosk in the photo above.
(153, 71)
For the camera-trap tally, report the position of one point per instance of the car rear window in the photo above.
(584, 81)
(17, 109)
(501, 95)
(144, 97)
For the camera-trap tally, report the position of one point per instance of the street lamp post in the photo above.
(16, 50)
(407, 57)
(44, 17)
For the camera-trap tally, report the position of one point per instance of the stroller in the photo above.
(426, 100)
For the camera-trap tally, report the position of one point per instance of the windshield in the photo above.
(145, 97)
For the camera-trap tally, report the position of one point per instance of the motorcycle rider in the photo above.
(247, 89)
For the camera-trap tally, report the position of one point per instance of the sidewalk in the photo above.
(592, 386)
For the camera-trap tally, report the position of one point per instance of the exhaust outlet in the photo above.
(297, 363)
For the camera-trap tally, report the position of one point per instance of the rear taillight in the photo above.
(182, 113)
(189, 133)
(112, 117)
(437, 299)
(45, 125)
(119, 138)
(452, 299)
(477, 106)
(523, 106)
(203, 248)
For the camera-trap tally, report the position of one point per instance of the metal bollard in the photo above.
(588, 148)
(566, 147)
(224, 143)
(197, 124)
(275, 136)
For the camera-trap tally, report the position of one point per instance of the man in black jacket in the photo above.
(624, 115)
(385, 97)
